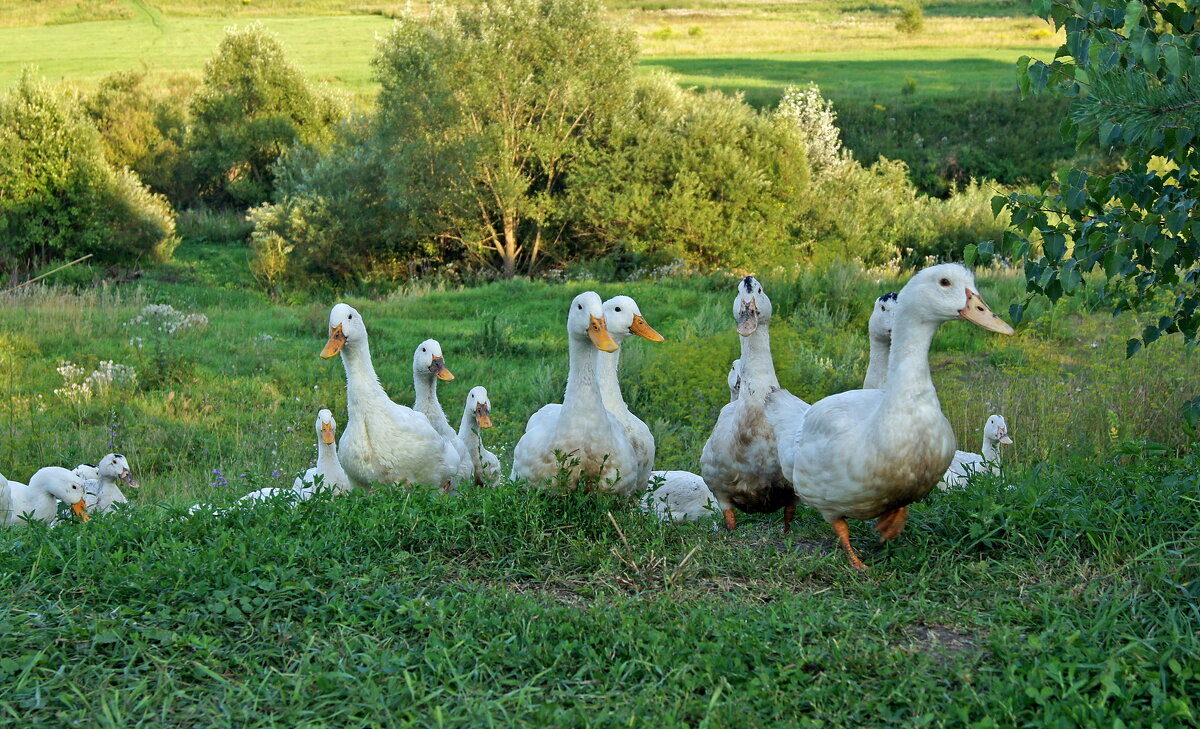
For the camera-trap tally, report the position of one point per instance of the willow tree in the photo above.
(484, 107)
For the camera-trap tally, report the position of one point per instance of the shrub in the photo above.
(912, 19)
(59, 197)
(815, 119)
(143, 127)
(700, 177)
(252, 105)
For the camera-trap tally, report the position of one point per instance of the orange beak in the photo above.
(327, 433)
(337, 340)
(438, 368)
(644, 330)
(80, 510)
(598, 333)
(977, 312)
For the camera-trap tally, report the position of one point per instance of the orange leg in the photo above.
(891, 524)
(789, 512)
(843, 531)
(730, 520)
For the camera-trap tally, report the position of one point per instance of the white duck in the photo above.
(87, 471)
(476, 415)
(429, 366)
(102, 492)
(995, 434)
(879, 329)
(39, 498)
(624, 319)
(332, 477)
(679, 496)
(734, 378)
(868, 454)
(383, 442)
(592, 440)
(5, 500)
(739, 462)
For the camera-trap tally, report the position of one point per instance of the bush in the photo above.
(701, 177)
(251, 107)
(912, 19)
(59, 197)
(143, 127)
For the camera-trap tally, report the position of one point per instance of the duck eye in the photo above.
(945, 282)
(618, 308)
(422, 349)
(579, 306)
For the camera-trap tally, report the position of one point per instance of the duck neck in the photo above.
(362, 384)
(607, 364)
(991, 450)
(877, 367)
(583, 391)
(908, 377)
(758, 369)
(329, 466)
(466, 429)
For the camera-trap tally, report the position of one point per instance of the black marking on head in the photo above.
(746, 284)
(117, 455)
(889, 296)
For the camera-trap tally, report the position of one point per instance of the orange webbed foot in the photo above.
(789, 513)
(730, 520)
(842, 529)
(891, 524)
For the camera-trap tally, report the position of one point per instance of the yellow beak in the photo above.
(598, 333)
(483, 416)
(438, 368)
(644, 330)
(977, 312)
(80, 510)
(337, 340)
(327, 433)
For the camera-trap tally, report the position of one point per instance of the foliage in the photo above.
(484, 107)
(815, 118)
(1132, 72)
(59, 197)
(251, 106)
(143, 127)
(699, 177)
(912, 19)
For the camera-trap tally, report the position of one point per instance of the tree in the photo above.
(252, 105)
(59, 196)
(1132, 72)
(486, 106)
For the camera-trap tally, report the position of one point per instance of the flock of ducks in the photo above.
(863, 454)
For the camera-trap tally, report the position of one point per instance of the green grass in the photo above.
(1068, 600)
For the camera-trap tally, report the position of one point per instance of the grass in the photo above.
(1066, 600)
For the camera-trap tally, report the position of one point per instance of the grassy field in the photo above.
(1068, 599)
(848, 48)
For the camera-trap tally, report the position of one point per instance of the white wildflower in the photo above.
(815, 117)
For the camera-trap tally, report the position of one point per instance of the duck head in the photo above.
(751, 307)
(87, 471)
(623, 318)
(479, 405)
(996, 430)
(735, 379)
(586, 321)
(345, 328)
(115, 466)
(947, 291)
(326, 427)
(880, 324)
(63, 485)
(428, 360)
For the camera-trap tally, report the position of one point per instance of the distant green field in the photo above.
(851, 51)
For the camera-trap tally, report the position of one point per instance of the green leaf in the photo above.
(999, 202)
(1016, 312)
(1133, 15)
(1132, 347)
(969, 252)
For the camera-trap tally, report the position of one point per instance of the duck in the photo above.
(879, 331)
(477, 415)
(590, 440)
(332, 476)
(966, 464)
(624, 319)
(101, 493)
(739, 462)
(429, 366)
(39, 498)
(87, 471)
(734, 378)
(5, 500)
(384, 442)
(678, 497)
(869, 454)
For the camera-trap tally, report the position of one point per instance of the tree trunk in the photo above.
(510, 249)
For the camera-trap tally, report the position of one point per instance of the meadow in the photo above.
(1062, 593)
